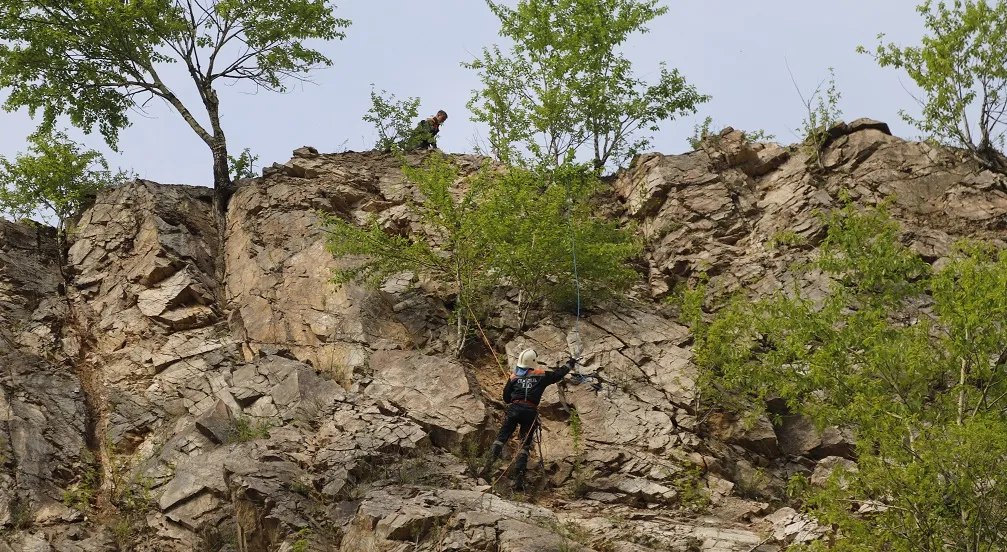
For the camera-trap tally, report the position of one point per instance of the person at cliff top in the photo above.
(425, 134)
(522, 394)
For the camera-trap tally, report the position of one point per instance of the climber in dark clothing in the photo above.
(522, 394)
(424, 136)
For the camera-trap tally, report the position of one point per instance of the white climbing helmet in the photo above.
(526, 359)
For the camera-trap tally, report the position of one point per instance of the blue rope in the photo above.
(576, 279)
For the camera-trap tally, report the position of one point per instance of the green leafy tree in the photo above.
(923, 388)
(565, 85)
(95, 60)
(56, 178)
(392, 119)
(533, 218)
(960, 69)
(500, 227)
(242, 166)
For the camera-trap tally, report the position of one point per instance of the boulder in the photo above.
(756, 434)
(827, 466)
(433, 391)
(798, 436)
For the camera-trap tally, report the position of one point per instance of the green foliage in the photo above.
(302, 544)
(392, 119)
(923, 391)
(526, 217)
(576, 431)
(82, 493)
(497, 227)
(57, 177)
(822, 108)
(95, 60)
(959, 66)
(124, 531)
(786, 238)
(580, 486)
(22, 512)
(245, 430)
(690, 488)
(564, 84)
(242, 166)
(704, 131)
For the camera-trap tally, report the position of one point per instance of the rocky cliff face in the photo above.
(154, 400)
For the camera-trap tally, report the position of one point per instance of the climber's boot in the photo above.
(494, 453)
(519, 470)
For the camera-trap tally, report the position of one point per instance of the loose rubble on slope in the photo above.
(151, 405)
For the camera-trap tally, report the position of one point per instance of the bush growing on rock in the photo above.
(393, 120)
(506, 227)
(912, 359)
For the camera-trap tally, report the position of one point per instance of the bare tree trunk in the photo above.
(222, 190)
(218, 146)
(961, 392)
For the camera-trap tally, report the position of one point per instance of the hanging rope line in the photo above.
(576, 279)
(489, 345)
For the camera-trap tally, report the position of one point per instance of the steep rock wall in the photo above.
(150, 405)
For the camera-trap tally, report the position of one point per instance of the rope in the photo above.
(489, 345)
(541, 455)
(537, 425)
(576, 279)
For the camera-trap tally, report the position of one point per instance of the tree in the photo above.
(961, 72)
(242, 166)
(392, 119)
(56, 178)
(534, 218)
(94, 60)
(499, 227)
(565, 85)
(924, 389)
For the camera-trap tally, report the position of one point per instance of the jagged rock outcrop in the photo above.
(171, 390)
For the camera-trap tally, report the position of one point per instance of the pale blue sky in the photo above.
(734, 50)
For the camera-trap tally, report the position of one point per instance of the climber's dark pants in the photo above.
(526, 417)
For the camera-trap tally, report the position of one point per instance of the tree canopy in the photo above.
(96, 60)
(960, 68)
(565, 85)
